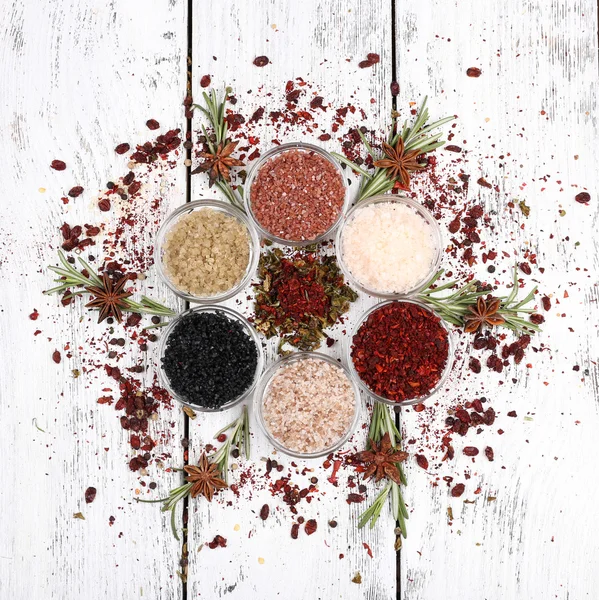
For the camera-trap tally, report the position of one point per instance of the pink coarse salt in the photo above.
(297, 195)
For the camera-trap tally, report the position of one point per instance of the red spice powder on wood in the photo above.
(297, 195)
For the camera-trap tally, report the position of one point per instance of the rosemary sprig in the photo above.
(215, 113)
(416, 137)
(380, 424)
(453, 307)
(70, 278)
(239, 437)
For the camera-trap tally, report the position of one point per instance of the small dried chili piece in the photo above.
(489, 453)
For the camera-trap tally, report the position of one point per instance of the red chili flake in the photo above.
(473, 72)
(458, 490)
(75, 191)
(367, 548)
(365, 64)
(152, 124)
(218, 542)
(310, 526)
(422, 461)
(92, 231)
(470, 451)
(264, 511)
(122, 148)
(205, 81)
(477, 405)
(293, 96)
(140, 157)
(582, 198)
(400, 351)
(545, 300)
(90, 495)
(294, 531)
(453, 148)
(537, 319)
(56, 356)
(489, 453)
(261, 61)
(355, 498)
(419, 407)
(316, 102)
(394, 88)
(59, 165)
(525, 268)
(34, 315)
(373, 57)
(512, 413)
(104, 205)
(134, 187)
(483, 182)
(133, 320)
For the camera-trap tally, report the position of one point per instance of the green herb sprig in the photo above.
(380, 424)
(416, 137)
(75, 282)
(453, 307)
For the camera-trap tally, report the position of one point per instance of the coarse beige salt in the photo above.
(309, 405)
(388, 247)
(206, 252)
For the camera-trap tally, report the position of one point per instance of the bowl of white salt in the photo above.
(389, 246)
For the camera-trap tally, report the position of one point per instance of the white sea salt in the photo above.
(388, 247)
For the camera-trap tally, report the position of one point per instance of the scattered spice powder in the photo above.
(297, 195)
(206, 252)
(400, 351)
(388, 247)
(309, 405)
(298, 296)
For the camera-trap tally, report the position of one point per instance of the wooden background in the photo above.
(79, 76)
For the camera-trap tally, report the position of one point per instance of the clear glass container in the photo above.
(186, 209)
(273, 153)
(231, 314)
(262, 390)
(419, 399)
(420, 210)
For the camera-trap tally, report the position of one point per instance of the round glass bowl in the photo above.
(422, 212)
(364, 387)
(231, 314)
(186, 209)
(263, 389)
(272, 154)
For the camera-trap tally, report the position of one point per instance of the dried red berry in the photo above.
(65, 229)
(477, 405)
(104, 205)
(463, 415)
(122, 148)
(58, 165)
(128, 179)
(422, 461)
(518, 356)
(92, 231)
(75, 191)
(458, 490)
(525, 268)
(474, 364)
(221, 438)
(261, 61)
(546, 303)
(537, 319)
(489, 453)
(90, 495)
(56, 356)
(264, 511)
(34, 315)
(316, 102)
(364, 64)
(295, 526)
(394, 88)
(293, 96)
(474, 72)
(135, 442)
(470, 451)
(310, 526)
(140, 157)
(373, 57)
(152, 124)
(205, 81)
(583, 198)
(134, 187)
(453, 148)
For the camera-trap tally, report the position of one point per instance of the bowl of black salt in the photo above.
(210, 357)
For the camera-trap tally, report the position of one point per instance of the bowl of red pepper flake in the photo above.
(401, 352)
(296, 194)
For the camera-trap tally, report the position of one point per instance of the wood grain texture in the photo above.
(78, 78)
(528, 125)
(321, 42)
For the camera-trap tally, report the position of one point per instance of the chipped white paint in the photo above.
(80, 77)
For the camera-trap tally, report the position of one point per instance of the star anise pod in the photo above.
(219, 163)
(109, 298)
(398, 162)
(484, 313)
(381, 459)
(205, 478)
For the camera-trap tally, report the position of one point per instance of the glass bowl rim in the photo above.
(189, 207)
(265, 381)
(446, 371)
(397, 199)
(249, 328)
(254, 172)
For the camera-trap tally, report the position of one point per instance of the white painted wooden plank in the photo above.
(321, 42)
(538, 539)
(78, 78)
